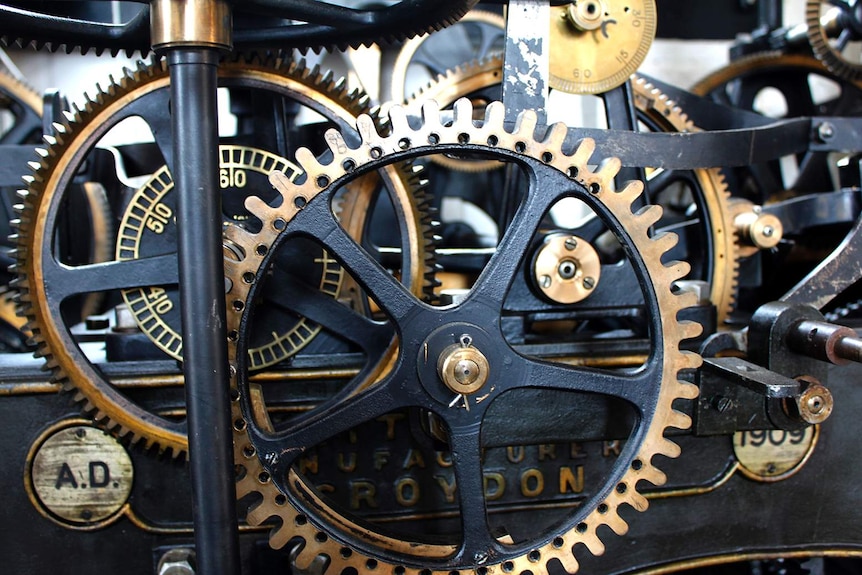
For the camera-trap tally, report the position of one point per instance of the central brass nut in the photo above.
(462, 369)
(586, 15)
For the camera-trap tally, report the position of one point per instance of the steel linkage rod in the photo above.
(192, 34)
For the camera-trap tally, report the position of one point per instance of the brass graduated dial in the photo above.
(597, 44)
(462, 367)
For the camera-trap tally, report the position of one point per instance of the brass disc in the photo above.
(597, 44)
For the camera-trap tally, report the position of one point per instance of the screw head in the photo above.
(825, 131)
(546, 281)
(571, 244)
(589, 282)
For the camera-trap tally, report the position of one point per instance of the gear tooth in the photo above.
(238, 235)
(463, 112)
(431, 114)
(610, 167)
(649, 216)
(654, 475)
(665, 241)
(280, 536)
(556, 135)
(257, 514)
(669, 449)
(617, 524)
(495, 113)
(307, 160)
(525, 124)
(569, 561)
(584, 152)
(336, 142)
(687, 390)
(367, 129)
(245, 486)
(631, 191)
(679, 420)
(305, 558)
(689, 329)
(637, 501)
(594, 544)
(398, 119)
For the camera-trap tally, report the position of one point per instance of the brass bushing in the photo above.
(755, 229)
(815, 404)
(586, 15)
(198, 23)
(463, 369)
(567, 268)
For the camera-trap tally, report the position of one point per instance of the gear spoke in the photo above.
(66, 281)
(635, 388)
(393, 297)
(466, 446)
(495, 280)
(310, 303)
(340, 415)
(151, 109)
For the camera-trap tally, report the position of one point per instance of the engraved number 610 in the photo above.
(232, 178)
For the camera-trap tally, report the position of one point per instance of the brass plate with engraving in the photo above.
(773, 455)
(78, 476)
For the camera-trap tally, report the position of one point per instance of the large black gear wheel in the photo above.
(426, 368)
(50, 280)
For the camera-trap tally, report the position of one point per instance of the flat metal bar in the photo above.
(194, 83)
(527, 58)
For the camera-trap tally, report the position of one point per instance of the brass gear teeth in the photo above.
(321, 539)
(77, 130)
(831, 58)
(725, 271)
(20, 91)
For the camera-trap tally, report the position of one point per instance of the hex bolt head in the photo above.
(825, 131)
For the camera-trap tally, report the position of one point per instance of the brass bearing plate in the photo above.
(770, 455)
(566, 269)
(78, 475)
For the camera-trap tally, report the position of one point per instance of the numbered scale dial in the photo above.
(597, 44)
(149, 229)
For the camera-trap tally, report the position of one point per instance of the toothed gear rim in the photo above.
(44, 283)
(831, 56)
(257, 25)
(554, 171)
(654, 108)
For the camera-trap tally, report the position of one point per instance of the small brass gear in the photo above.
(265, 464)
(844, 23)
(655, 108)
(43, 293)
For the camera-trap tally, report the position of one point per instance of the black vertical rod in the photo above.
(194, 83)
(769, 14)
